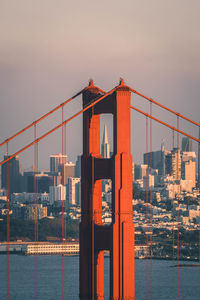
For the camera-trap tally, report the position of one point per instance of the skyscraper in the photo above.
(57, 193)
(56, 162)
(173, 164)
(73, 191)
(78, 167)
(188, 171)
(157, 159)
(140, 171)
(176, 164)
(105, 147)
(186, 144)
(69, 171)
(15, 175)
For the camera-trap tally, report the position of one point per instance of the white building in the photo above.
(44, 197)
(74, 190)
(68, 248)
(57, 193)
(30, 211)
(148, 181)
(188, 171)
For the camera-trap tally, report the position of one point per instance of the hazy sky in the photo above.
(49, 49)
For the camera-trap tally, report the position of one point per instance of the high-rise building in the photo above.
(140, 171)
(69, 171)
(73, 191)
(148, 181)
(173, 164)
(186, 144)
(168, 164)
(28, 182)
(78, 167)
(56, 176)
(186, 156)
(188, 167)
(176, 164)
(15, 175)
(105, 147)
(44, 181)
(188, 171)
(156, 159)
(57, 193)
(56, 162)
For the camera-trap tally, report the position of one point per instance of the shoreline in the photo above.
(138, 258)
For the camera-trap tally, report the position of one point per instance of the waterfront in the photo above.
(50, 280)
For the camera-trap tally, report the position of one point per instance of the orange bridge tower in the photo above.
(118, 237)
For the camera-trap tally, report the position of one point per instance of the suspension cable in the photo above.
(43, 117)
(165, 124)
(58, 126)
(36, 211)
(83, 110)
(102, 91)
(63, 212)
(178, 182)
(173, 227)
(151, 213)
(147, 215)
(8, 223)
(165, 107)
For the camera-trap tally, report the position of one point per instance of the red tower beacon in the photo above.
(118, 237)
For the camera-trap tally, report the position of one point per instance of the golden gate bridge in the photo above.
(95, 237)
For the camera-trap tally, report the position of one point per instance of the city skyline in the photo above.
(165, 185)
(151, 53)
(100, 146)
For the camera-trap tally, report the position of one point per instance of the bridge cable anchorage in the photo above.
(165, 107)
(165, 124)
(173, 223)
(43, 117)
(147, 213)
(8, 224)
(58, 126)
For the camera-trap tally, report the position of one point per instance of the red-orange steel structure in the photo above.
(165, 107)
(85, 109)
(95, 237)
(118, 238)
